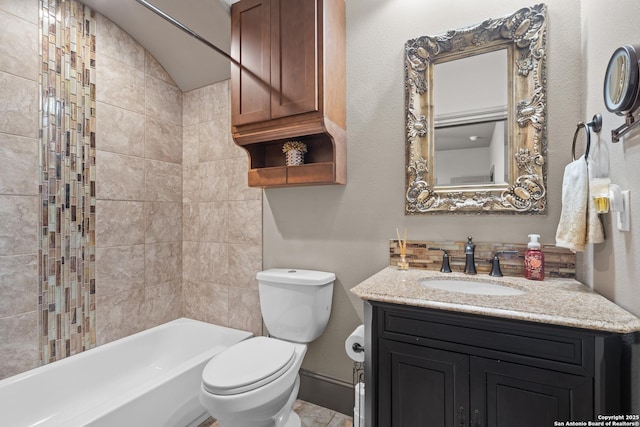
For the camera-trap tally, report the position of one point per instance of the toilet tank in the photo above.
(295, 303)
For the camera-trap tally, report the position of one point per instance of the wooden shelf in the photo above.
(286, 176)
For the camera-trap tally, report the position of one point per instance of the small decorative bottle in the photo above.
(534, 259)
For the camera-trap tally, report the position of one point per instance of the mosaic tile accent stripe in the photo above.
(558, 262)
(67, 179)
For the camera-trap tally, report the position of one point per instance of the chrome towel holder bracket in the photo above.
(596, 125)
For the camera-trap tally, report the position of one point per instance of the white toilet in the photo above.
(254, 383)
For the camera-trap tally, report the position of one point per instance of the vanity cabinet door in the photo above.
(509, 394)
(421, 386)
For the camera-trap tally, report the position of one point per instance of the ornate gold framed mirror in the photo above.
(475, 105)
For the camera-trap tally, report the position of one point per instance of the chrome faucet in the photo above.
(469, 254)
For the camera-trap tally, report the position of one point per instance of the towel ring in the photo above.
(596, 125)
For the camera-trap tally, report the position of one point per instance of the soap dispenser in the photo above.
(534, 259)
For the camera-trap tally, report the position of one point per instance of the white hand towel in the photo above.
(579, 223)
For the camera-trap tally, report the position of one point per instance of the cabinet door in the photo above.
(421, 386)
(294, 57)
(250, 46)
(507, 394)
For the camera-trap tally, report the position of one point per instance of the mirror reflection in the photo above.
(475, 104)
(470, 108)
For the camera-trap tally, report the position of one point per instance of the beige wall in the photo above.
(615, 267)
(616, 263)
(19, 200)
(346, 229)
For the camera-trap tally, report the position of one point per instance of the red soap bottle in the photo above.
(534, 259)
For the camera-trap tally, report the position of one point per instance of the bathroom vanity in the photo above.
(554, 351)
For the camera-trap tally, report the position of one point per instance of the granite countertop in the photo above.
(555, 301)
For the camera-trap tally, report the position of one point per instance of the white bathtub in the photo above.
(151, 378)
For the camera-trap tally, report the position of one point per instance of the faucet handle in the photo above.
(446, 268)
(495, 263)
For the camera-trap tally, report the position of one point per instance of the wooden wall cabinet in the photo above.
(290, 84)
(441, 369)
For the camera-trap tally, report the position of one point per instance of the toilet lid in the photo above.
(247, 365)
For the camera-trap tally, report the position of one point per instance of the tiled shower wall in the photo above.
(150, 267)
(222, 250)
(139, 188)
(19, 200)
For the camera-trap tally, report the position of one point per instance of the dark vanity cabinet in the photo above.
(436, 368)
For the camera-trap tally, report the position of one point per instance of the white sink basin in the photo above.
(470, 287)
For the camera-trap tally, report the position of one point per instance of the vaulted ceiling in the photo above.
(190, 63)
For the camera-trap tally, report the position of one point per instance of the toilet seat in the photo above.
(248, 365)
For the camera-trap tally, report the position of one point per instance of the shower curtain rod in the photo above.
(201, 39)
(186, 29)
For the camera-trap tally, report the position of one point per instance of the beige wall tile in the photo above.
(163, 263)
(212, 221)
(18, 224)
(22, 156)
(205, 261)
(207, 302)
(163, 101)
(190, 222)
(245, 222)
(115, 43)
(119, 84)
(238, 184)
(18, 343)
(119, 268)
(18, 284)
(242, 313)
(215, 181)
(163, 222)
(215, 100)
(191, 271)
(119, 223)
(27, 10)
(215, 142)
(154, 69)
(18, 106)
(190, 154)
(19, 47)
(119, 131)
(192, 183)
(119, 315)
(163, 181)
(191, 107)
(163, 141)
(119, 177)
(162, 303)
(245, 261)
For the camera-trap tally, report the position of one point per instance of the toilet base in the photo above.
(294, 420)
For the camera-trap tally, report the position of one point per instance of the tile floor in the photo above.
(311, 416)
